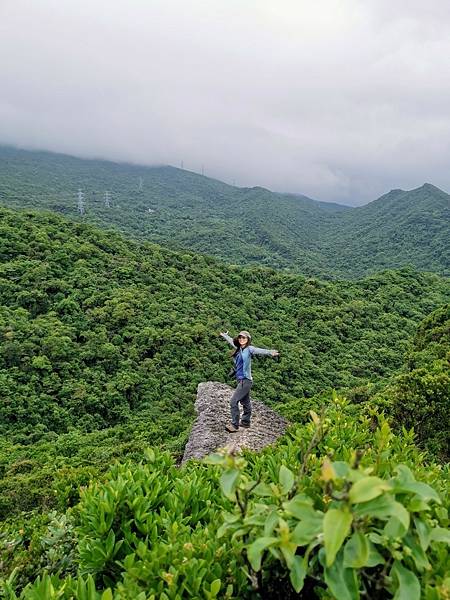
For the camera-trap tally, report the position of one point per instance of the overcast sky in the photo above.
(341, 100)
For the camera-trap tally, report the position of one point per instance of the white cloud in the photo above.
(338, 99)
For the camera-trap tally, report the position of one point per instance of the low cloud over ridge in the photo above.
(339, 100)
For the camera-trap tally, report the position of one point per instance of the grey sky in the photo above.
(340, 100)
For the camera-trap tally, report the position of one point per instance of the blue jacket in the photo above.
(243, 358)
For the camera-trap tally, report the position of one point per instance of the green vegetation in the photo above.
(247, 226)
(95, 329)
(420, 396)
(362, 525)
(333, 511)
(102, 344)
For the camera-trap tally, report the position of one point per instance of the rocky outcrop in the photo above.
(213, 414)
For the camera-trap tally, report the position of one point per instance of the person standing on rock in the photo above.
(242, 357)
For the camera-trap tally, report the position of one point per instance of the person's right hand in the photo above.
(224, 333)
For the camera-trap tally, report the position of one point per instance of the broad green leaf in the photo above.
(416, 504)
(424, 491)
(405, 482)
(394, 528)
(107, 595)
(439, 534)
(408, 586)
(91, 590)
(342, 583)
(109, 543)
(404, 474)
(262, 489)
(215, 587)
(223, 529)
(270, 523)
(215, 459)
(286, 479)
(400, 513)
(257, 519)
(380, 508)
(341, 468)
(375, 538)
(366, 489)
(336, 527)
(228, 482)
(306, 531)
(431, 593)
(250, 485)
(417, 553)
(385, 507)
(356, 551)
(374, 558)
(300, 508)
(298, 572)
(256, 549)
(288, 549)
(423, 531)
(231, 517)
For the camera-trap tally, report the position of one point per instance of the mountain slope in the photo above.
(181, 209)
(95, 328)
(399, 228)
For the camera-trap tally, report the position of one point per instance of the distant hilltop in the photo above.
(246, 226)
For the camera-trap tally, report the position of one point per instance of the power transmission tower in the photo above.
(80, 201)
(107, 199)
(203, 169)
(182, 164)
(141, 184)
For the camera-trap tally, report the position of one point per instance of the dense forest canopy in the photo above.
(103, 341)
(419, 396)
(95, 328)
(181, 209)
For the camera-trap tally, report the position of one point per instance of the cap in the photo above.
(246, 333)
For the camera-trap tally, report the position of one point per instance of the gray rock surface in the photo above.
(213, 414)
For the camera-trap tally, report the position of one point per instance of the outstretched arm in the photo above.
(228, 338)
(263, 351)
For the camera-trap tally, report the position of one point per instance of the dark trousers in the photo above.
(242, 395)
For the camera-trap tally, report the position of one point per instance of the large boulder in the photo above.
(213, 414)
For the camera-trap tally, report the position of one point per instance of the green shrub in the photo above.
(153, 527)
(35, 543)
(360, 525)
(340, 508)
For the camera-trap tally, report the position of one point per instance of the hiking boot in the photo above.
(231, 428)
(246, 425)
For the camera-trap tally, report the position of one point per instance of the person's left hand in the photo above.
(275, 353)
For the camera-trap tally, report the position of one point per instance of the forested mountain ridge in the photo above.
(95, 327)
(182, 209)
(387, 232)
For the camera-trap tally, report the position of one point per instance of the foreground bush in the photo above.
(353, 531)
(340, 509)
